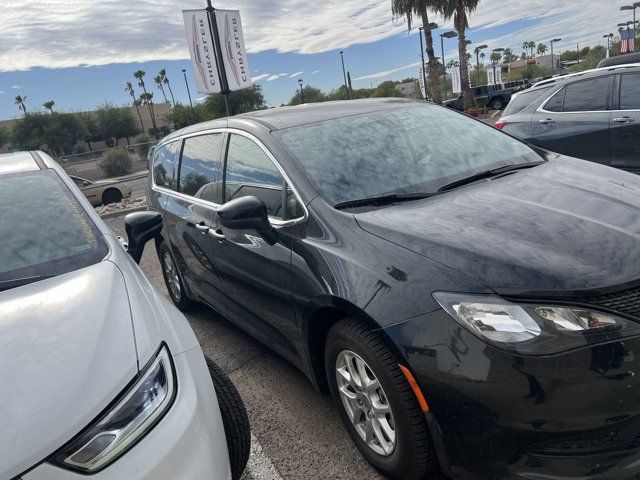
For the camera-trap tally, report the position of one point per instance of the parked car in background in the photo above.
(103, 192)
(471, 303)
(100, 373)
(494, 97)
(593, 115)
(625, 59)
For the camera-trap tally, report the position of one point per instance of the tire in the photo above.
(173, 279)
(111, 195)
(412, 456)
(234, 419)
(497, 104)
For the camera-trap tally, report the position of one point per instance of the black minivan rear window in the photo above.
(44, 229)
(522, 100)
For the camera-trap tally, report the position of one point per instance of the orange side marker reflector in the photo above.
(416, 389)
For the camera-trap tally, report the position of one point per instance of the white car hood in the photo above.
(66, 350)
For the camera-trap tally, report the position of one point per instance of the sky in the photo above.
(80, 53)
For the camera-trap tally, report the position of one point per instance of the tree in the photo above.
(114, 123)
(4, 137)
(49, 105)
(182, 116)
(58, 134)
(387, 89)
(91, 131)
(459, 10)
(19, 101)
(136, 103)
(165, 80)
(139, 75)
(160, 85)
(241, 101)
(508, 56)
(409, 8)
(311, 95)
(542, 48)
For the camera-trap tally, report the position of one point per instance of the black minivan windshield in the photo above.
(420, 148)
(45, 232)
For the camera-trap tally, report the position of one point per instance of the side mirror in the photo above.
(141, 227)
(247, 213)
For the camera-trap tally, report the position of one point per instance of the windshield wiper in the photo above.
(381, 200)
(488, 174)
(20, 282)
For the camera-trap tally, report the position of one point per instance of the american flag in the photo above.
(627, 40)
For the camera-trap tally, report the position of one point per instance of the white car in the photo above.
(99, 373)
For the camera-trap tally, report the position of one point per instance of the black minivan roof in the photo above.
(620, 60)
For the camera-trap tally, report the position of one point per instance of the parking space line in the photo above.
(259, 466)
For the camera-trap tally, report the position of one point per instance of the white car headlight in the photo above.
(534, 329)
(138, 409)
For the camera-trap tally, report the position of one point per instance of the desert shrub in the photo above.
(115, 163)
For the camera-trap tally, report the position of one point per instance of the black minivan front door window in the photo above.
(200, 168)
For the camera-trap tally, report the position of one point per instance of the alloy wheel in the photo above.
(365, 403)
(171, 274)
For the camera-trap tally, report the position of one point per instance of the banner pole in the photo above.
(222, 74)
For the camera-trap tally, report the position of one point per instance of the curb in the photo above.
(123, 212)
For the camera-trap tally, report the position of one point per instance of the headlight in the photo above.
(137, 410)
(534, 329)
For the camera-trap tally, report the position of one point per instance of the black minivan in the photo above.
(594, 115)
(471, 303)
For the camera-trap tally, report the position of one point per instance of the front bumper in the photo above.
(189, 442)
(502, 416)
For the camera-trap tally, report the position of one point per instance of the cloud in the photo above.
(276, 76)
(16, 86)
(386, 73)
(257, 78)
(64, 33)
(315, 72)
(1, 92)
(297, 74)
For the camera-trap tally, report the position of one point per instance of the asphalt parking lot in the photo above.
(296, 431)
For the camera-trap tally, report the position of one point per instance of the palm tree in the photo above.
(409, 8)
(158, 80)
(139, 75)
(532, 47)
(49, 105)
(165, 80)
(136, 103)
(459, 10)
(19, 101)
(542, 48)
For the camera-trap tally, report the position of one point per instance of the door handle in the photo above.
(623, 120)
(217, 234)
(547, 121)
(202, 228)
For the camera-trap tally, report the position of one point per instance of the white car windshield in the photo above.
(45, 231)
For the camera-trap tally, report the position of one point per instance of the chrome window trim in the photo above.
(541, 109)
(274, 221)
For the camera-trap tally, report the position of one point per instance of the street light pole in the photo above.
(555, 40)
(424, 73)
(444, 35)
(344, 73)
(184, 72)
(608, 36)
(301, 91)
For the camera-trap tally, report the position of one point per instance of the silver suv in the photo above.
(593, 115)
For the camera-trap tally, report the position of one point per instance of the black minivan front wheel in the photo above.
(172, 278)
(376, 402)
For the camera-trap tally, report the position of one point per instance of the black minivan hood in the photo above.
(567, 225)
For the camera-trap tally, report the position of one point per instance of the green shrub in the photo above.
(142, 145)
(115, 163)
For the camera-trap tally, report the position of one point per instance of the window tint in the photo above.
(522, 100)
(200, 167)
(630, 92)
(44, 230)
(165, 164)
(408, 149)
(556, 102)
(251, 172)
(587, 96)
